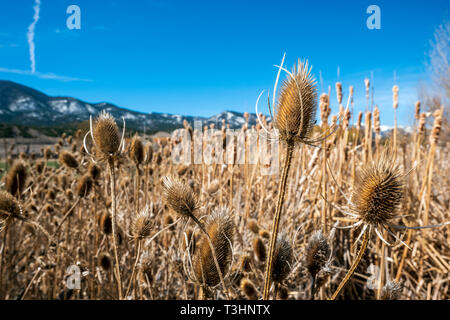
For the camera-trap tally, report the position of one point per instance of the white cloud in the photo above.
(41, 75)
(30, 34)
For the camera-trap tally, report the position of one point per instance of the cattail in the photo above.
(106, 134)
(317, 253)
(180, 197)
(84, 186)
(105, 262)
(391, 291)
(417, 110)
(436, 126)
(395, 96)
(142, 224)
(94, 171)
(367, 85)
(220, 229)
(283, 257)
(253, 226)
(295, 113)
(339, 92)
(259, 249)
(422, 122)
(136, 150)
(16, 178)
(324, 107)
(68, 160)
(106, 223)
(358, 124)
(249, 289)
(376, 120)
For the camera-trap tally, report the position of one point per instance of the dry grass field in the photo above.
(129, 223)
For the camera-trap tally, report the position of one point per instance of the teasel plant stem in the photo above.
(276, 218)
(133, 273)
(113, 220)
(352, 269)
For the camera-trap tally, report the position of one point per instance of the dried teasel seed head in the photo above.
(282, 260)
(68, 160)
(168, 220)
(16, 178)
(391, 291)
(136, 150)
(283, 293)
(324, 107)
(253, 226)
(106, 134)
(149, 154)
(367, 85)
(422, 122)
(263, 233)
(94, 171)
(296, 109)
(179, 196)
(249, 289)
(246, 263)
(317, 252)
(84, 186)
(40, 166)
(259, 249)
(358, 124)
(105, 262)
(378, 190)
(182, 169)
(9, 206)
(106, 223)
(47, 153)
(376, 120)
(142, 224)
(220, 229)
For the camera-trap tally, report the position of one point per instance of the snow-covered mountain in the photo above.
(22, 105)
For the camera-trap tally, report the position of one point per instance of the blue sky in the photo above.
(204, 57)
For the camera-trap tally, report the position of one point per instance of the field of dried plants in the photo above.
(121, 217)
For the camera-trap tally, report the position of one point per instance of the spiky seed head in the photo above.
(422, 122)
(106, 223)
(249, 289)
(16, 178)
(436, 126)
(94, 171)
(84, 186)
(136, 150)
(40, 166)
(324, 107)
(391, 291)
(317, 252)
(149, 154)
(246, 263)
(378, 190)
(282, 260)
(47, 152)
(179, 196)
(220, 229)
(105, 261)
(67, 159)
(168, 220)
(296, 109)
(106, 134)
(142, 224)
(358, 124)
(376, 120)
(263, 233)
(182, 169)
(253, 226)
(283, 293)
(259, 249)
(9, 206)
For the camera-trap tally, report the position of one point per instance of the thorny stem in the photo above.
(138, 255)
(352, 269)
(276, 218)
(113, 220)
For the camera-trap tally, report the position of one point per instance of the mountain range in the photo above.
(22, 107)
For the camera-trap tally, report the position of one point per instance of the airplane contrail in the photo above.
(30, 34)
